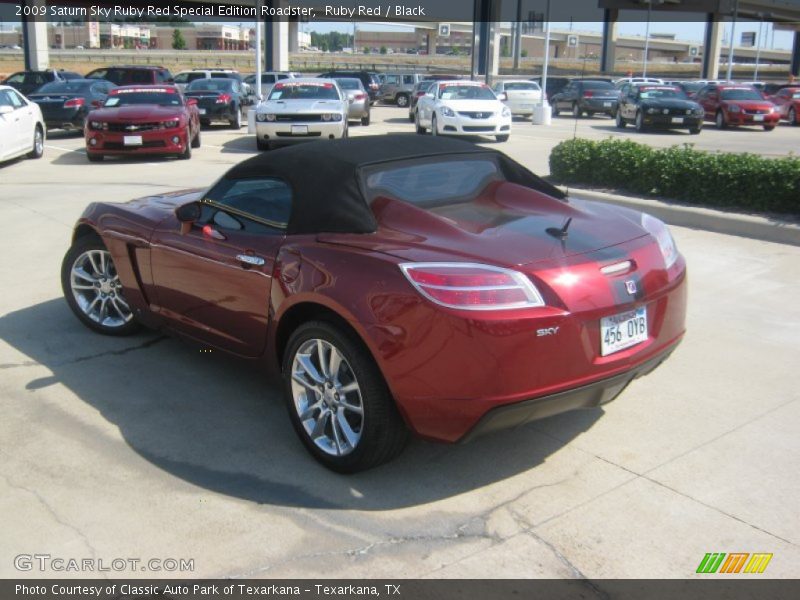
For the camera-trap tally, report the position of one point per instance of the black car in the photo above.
(658, 106)
(554, 85)
(368, 79)
(29, 82)
(133, 75)
(219, 100)
(586, 96)
(65, 104)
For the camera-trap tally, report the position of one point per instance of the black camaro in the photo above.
(658, 106)
(220, 100)
(65, 104)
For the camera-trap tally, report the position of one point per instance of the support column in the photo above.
(483, 61)
(34, 40)
(294, 44)
(712, 44)
(517, 28)
(608, 55)
(795, 69)
(276, 41)
(494, 63)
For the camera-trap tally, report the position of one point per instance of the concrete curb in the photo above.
(781, 230)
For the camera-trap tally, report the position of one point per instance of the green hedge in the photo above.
(711, 179)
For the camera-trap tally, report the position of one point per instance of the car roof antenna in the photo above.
(560, 233)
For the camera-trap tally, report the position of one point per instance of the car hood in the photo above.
(507, 225)
(749, 104)
(137, 112)
(299, 106)
(670, 103)
(473, 105)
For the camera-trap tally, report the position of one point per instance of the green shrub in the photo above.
(745, 181)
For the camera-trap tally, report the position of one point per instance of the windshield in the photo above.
(303, 91)
(741, 94)
(159, 96)
(63, 87)
(449, 91)
(648, 93)
(528, 86)
(796, 94)
(349, 84)
(210, 85)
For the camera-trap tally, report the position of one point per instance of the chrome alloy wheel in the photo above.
(327, 397)
(97, 290)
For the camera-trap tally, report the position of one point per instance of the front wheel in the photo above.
(38, 143)
(576, 110)
(554, 110)
(793, 117)
(434, 127)
(695, 130)
(719, 120)
(95, 157)
(196, 141)
(365, 120)
(402, 100)
(769, 127)
(620, 121)
(93, 290)
(338, 401)
(639, 123)
(420, 128)
(236, 121)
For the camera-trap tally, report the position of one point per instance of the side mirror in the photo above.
(502, 96)
(187, 214)
(191, 102)
(5, 109)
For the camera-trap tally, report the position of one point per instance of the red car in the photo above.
(788, 102)
(143, 119)
(428, 285)
(737, 104)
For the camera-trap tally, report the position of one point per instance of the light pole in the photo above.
(541, 113)
(647, 38)
(733, 36)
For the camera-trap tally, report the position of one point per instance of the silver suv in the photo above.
(396, 87)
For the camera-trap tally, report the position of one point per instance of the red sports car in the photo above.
(143, 119)
(426, 284)
(737, 104)
(788, 102)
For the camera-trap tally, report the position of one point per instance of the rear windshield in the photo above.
(741, 94)
(211, 85)
(161, 97)
(796, 94)
(64, 87)
(454, 91)
(597, 85)
(432, 183)
(528, 86)
(303, 91)
(647, 93)
(349, 84)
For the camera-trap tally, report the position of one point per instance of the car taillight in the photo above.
(470, 286)
(360, 96)
(373, 86)
(420, 94)
(223, 98)
(588, 94)
(74, 103)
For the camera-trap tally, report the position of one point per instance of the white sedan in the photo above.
(462, 108)
(301, 109)
(520, 95)
(22, 127)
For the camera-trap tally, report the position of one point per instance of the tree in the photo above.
(365, 50)
(384, 50)
(178, 41)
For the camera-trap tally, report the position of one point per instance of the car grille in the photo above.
(476, 115)
(120, 146)
(298, 118)
(756, 111)
(129, 127)
(477, 128)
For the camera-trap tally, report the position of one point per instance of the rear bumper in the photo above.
(587, 396)
(217, 112)
(746, 119)
(599, 105)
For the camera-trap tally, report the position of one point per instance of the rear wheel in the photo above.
(620, 121)
(554, 110)
(576, 110)
(410, 117)
(719, 120)
(338, 401)
(262, 144)
(187, 153)
(793, 117)
(93, 290)
(38, 143)
(769, 127)
(236, 121)
(402, 100)
(196, 141)
(366, 119)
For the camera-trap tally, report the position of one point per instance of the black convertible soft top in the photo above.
(325, 176)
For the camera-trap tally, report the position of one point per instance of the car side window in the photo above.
(408, 79)
(16, 78)
(391, 79)
(6, 99)
(263, 204)
(182, 78)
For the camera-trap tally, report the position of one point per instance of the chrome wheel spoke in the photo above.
(309, 368)
(323, 364)
(334, 364)
(353, 408)
(319, 426)
(92, 259)
(97, 289)
(298, 376)
(337, 435)
(344, 426)
(350, 387)
(81, 274)
(310, 410)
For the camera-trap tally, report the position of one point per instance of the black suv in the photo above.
(369, 80)
(28, 82)
(132, 75)
(586, 96)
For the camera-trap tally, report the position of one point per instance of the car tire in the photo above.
(187, 153)
(502, 138)
(554, 110)
(695, 130)
(114, 316)
(402, 100)
(621, 124)
(590, 114)
(793, 120)
(639, 122)
(420, 129)
(196, 141)
(366, 119)
(205, 123)
(769, 127)
(346, 431)
(576, 110)
(95, 157)
(261, 144)
(410, 117)
(719, 120)
(38, 143)
(236, 122)
(346, 132)
(434, 126)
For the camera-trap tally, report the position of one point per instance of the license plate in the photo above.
(202, 111)
(758, 117)
(299, 129)
(132, 140)
(622, 331)
(677, 119)
(606, 104)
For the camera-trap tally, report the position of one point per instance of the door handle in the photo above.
(250, 259)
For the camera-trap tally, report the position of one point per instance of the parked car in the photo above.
(770, 89)
(690, 88)
(303, 109)
(788, 102)
(268, 78)
(357, 98)
(397, 87)
(737, 104)
(618, 83)
(519, 95)
(368, 79)
(143, 119)
(219, 100)
(22, 129)
(463, 108)
(417, 92)
(658, 106)
(125, 75)
(29, 82)
(554, 85)
(65, 104)
(586, 97)
(390, 289)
